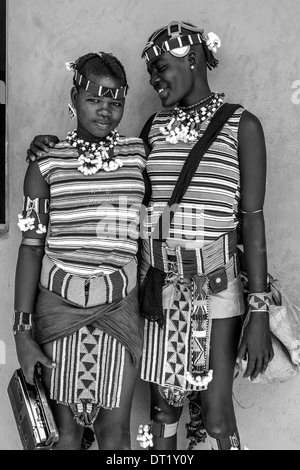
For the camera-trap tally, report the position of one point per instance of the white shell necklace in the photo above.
(182, 126)
(95, 156)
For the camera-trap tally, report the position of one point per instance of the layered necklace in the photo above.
(95, 156)
(182, 126)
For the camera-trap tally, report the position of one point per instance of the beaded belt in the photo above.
(89, 291)
(211, 260)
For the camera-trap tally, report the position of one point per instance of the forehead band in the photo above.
(171, 45)
(94, 88)
(178, 43)
(99, 90)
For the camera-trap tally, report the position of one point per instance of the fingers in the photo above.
(249, 372)
(256, 367)
(30, 157)
(40, 144)
(29, 371)
(47, 362)
(48, 142)
(29, 374)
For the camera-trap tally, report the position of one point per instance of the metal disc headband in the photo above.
(99, 90)
(150, 51)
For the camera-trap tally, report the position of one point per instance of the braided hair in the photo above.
(101, 63)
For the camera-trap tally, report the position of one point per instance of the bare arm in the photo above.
(27, 277)
(256, 343)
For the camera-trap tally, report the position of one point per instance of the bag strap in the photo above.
(192, 161)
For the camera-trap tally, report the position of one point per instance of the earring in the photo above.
(192, 67)
(72, 111)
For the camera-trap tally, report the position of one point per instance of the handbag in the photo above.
(151, 289)
(284, 320)
(32, 413)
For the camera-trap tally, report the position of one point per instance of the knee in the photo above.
(69, 439)
(113, 437)
(219, 425)
(166, 415)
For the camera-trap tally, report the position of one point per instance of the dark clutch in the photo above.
(150, 295)
(32, 412)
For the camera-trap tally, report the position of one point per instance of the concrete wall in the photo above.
(259, 67)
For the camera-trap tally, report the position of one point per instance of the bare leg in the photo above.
(163, 413)
(217, 404)
(70, 433)
(112, 427)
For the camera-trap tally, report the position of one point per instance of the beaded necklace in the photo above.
(182, 126)
(95, 156)
(198, 103)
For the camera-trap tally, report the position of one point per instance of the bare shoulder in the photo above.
(251, 139)
(34, 183)
(250, 127)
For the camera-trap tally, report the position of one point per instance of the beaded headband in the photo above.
(99, 90)
(94, 88)
(179, 43)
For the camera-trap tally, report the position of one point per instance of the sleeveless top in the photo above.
(209, 207)
(94, 220)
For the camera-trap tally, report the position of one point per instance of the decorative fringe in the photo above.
(195, 429)
(87, 439)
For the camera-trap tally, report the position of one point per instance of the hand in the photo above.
(256, 345)
(40, 143)
(29, 354)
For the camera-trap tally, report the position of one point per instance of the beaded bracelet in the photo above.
(22, 322)
(259, 302)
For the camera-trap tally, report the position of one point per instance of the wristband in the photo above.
(22, 322)
(259, 302)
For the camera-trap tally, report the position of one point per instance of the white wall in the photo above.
(259, 68)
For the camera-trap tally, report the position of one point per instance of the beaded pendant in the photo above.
(95, 156)
(182, 126)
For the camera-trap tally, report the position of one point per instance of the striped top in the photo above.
(94, 220)
(210, 205)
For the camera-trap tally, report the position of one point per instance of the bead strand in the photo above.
(95, 156)
(182, 126)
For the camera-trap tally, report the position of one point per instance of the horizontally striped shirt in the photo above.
(94, 220)
(210, 205)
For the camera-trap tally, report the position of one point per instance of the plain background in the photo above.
(259, 68)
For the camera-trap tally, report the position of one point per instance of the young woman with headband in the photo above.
(76, 292)
(193, 354)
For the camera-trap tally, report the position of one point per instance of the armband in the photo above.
(22, 322)
(252, 212)
(26, 221)
(33, 241)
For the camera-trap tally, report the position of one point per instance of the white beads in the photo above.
(95, 156)
(182, 126)
(144, 436)
(200, 380)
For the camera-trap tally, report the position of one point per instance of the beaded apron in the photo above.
(178, 350)
(89, 373)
